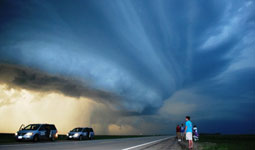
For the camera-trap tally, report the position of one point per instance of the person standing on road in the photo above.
(188, 131)
(182, 131)
(178, 132)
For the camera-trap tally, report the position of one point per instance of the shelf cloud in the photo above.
(145, 60)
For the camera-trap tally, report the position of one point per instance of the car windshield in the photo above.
(32, 127)
(76, 130)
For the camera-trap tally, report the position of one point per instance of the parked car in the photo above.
(81, 133)
(36, 132)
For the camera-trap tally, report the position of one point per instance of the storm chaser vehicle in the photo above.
(81, 133)
(36, 132)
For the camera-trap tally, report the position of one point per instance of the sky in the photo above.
(128, 67)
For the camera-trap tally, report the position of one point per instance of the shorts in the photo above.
(189, 136)
(182, 134)
(178, 135)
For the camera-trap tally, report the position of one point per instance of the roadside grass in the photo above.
(6, 138)
(226, 142)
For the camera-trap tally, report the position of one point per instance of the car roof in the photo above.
(41, 124)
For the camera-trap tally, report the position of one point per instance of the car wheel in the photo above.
(36, 138)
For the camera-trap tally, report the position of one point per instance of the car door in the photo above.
(84, 132)
(53, 130)
(87, 132)
(91, 133)
(42, 132)
(48, 131)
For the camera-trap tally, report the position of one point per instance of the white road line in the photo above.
(145, 144)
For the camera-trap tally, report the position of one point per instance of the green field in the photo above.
(6, 138)
(227, 142)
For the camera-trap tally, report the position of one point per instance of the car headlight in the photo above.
(29, 134)
(67, 134)
(16, 134)
(76, 134)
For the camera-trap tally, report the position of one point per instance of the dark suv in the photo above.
(81, 133)
(36, 132)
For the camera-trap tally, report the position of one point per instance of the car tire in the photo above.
(36, 138)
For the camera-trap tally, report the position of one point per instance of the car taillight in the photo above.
(56, 135)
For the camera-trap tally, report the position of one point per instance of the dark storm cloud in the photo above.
(38, 81)
(211, 63)
(145, 52)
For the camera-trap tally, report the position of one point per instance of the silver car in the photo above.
(36, 132)
(81, 133)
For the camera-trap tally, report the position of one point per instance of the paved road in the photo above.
(145, 143)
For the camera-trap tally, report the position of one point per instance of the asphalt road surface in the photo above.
(144, 143)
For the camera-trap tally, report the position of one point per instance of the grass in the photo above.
(227, 142)
(6, 138)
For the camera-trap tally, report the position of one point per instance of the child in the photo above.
(195, 133)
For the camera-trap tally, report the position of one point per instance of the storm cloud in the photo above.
(34, 80)
(150, 57)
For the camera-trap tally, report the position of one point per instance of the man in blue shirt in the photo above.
(188, 131)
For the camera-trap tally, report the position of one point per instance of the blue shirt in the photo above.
(189, 126)
(182, 129)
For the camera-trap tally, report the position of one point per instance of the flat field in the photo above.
(226, 142)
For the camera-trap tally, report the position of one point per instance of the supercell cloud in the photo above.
(146, 60)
